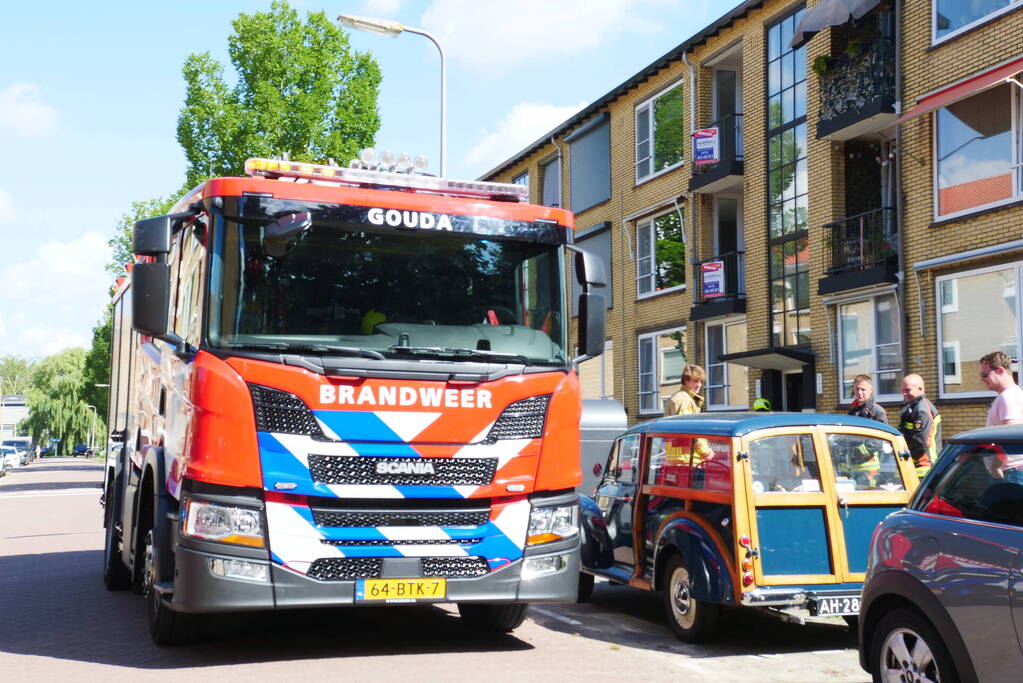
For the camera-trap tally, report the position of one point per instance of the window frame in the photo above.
(1016, 160)
(646, 108)
(651, 220)
(728, 322)
(990, 16)
(1017, 267)
(521, 179)
(544, 165)
(875, 353)
(958, 376)
(658, 369)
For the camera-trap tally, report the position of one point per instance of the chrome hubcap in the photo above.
(681, 601)
(906, 658)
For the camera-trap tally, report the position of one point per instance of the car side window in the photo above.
(983, 482)
(784, 463)
(623, 460)
(669, 460)
(864, 463)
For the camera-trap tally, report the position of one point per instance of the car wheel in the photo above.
(115, 575)
(906, 647)
(166, 626)
(692, 620)
(492, 618)
(585, 587)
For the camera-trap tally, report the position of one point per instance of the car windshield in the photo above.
(352, 289)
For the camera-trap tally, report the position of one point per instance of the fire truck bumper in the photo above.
(549, 573)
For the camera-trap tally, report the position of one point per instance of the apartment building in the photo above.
(832, 230)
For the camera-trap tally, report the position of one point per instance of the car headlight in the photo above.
(552, 523)
(222, 523)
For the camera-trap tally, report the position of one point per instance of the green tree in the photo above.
(16, 373)
(300, 89)
(120, 244)
(55, 401)
(97, 365)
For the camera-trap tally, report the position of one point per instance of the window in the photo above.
(986, 318)
(551, 178)
(589, 149)
(983, 482)
(952, 17)
(977, 148)
(623, 462)
(784, 463)
(689, 462)
(727, 383)
(661, 359)
(521, 179)
(787, 186)
(948, 297)
(659, 132)
(864, 463)
(596, 375)
(597, 240)
(660, 254)
(870, 344)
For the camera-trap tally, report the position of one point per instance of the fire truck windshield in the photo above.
(350, 289)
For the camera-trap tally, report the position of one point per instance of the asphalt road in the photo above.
(57, 622)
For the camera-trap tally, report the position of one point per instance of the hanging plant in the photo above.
(821, 65)
(853, 48)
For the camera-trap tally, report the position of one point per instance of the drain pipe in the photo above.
(899, 222)
(694, 201)
(561, 186)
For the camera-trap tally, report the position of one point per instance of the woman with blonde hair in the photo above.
(687, 400)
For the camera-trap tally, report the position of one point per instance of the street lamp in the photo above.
(386, 27)
(92, 429)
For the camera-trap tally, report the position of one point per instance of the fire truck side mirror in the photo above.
(589, 269)
(150, 298)
(592, 315)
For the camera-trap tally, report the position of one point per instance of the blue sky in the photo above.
(90, 94)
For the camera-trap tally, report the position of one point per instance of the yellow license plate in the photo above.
(400, 590)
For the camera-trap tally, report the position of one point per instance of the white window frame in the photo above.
(840, 365)
(646, 108)
(991, 16)
(724, 340)
(658, 369)
(952, 307)
(1017, 266)
(652, 238)
(957, 377)
(1016, 161)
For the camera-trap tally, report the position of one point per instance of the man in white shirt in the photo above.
(996, 373)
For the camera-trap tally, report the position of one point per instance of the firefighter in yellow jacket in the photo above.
(687, 400)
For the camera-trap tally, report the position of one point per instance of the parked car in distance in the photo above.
(23, 445)
(11, 456)
(942, 596)
(81, 450)
(771, 511)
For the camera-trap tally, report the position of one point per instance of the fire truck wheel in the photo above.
(692, 620)
(492, 618)
(116, 576)
(585, 587)
(166, 626)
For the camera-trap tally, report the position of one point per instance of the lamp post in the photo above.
(386, 27)
(92, 429)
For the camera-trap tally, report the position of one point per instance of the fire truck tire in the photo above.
(692, 620)
(166, 626)
(116, 576)
(492, 618)
(585, 587)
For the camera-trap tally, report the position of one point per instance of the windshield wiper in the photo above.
(310, 348)
(446, 352)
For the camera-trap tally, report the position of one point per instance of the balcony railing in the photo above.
(720, 277)
(862, 241)
(856, 83)
(729, 141)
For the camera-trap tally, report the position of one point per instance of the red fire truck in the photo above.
(336, 386)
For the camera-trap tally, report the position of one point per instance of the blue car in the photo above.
(766, 511)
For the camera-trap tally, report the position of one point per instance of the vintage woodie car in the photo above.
(764, 510)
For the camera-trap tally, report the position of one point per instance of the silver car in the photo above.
(942, 597)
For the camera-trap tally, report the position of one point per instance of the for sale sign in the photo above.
(713, 279)
(706, 146)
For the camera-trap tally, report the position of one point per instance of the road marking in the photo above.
(58, 492)
(555, 615)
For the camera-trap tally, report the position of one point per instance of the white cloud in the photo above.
(22, 111)
(959, 169)
(7, 211)
(52, 300)
(526, 122)
(492, 36)
(382, 8)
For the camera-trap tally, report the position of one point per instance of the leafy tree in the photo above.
(120, 243)
(300, 89)
(16, 373)
(97, 365)
(55, 402)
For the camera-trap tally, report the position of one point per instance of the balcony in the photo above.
(857, 91)
(863, 251)
(726, 174)
(720, 286)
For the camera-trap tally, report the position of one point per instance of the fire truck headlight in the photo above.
(552, 523)
(222, 523)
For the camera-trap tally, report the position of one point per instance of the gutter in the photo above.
(694, 243)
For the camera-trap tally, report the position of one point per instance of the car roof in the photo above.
(990, 434)
(739, 424)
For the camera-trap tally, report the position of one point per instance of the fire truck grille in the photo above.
(345, 568)
(282, 413)
(398, 541)
(521, 420)
(377, 518)
(354, 470)
(455, 567)
(353, 568)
